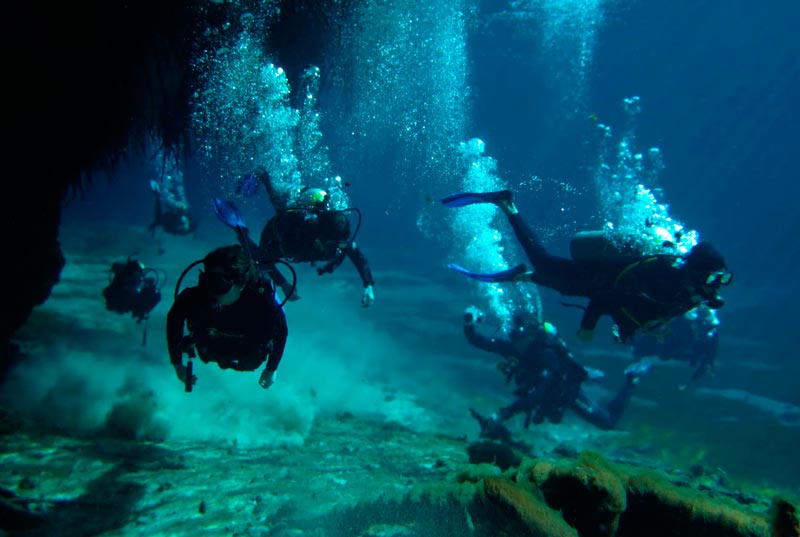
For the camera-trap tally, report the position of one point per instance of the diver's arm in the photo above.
(175, 321)
(360, 262)
(502, 347)
(277, 196)
(280, 332)
(591, 316)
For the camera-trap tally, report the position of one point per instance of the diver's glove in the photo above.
(368, 298)
(267, 378)
(472, 315)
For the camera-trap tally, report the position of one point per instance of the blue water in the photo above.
(537, 82)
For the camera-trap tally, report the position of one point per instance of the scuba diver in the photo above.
(172, 212)
(692, 337)
(548, 379)
(232, 316)
(304, 229)
(638, 292)
(132, 289)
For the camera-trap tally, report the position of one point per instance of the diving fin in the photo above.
(231, 217)
(492, 428)
(462, 199)
(228, 213)
(509, 275)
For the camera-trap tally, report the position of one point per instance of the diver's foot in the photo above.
(594, 373)
(637, 370)
(501, 198)
(492, 428)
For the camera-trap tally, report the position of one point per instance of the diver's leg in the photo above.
(558, 273)
(533, 248)
(492, 428)
(608, 417)
(617, 406)
(549, 267)
(593, 413)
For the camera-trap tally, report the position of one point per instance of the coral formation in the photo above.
(785, 522)
(520, 506)
(589, 494)
(665, 509)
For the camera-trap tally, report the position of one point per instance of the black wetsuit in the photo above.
(638, 295)
(240, 336)
(304, 235)
(131, 290)
(548, 381)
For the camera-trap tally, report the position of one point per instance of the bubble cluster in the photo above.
(478, 242)
(401, 68)
(312, 154)
(244, 121)
(570, 31)
(241, 114)
(626, 182)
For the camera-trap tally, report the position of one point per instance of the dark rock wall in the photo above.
(85, 84)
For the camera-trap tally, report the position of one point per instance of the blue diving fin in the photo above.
(503, 276)
(231, 217)
(228, 213)
(462, 199)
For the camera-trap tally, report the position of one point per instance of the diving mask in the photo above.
(719, 278)
(216, 283)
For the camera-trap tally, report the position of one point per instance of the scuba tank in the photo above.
(597, 247)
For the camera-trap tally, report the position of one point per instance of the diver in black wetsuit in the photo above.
(548, 379)
(232, 317)
(133, 289)
(306, 230)
(638, 292)
(172, 212)
(692, 338)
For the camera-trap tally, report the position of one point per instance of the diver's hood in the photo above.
(705, 258)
